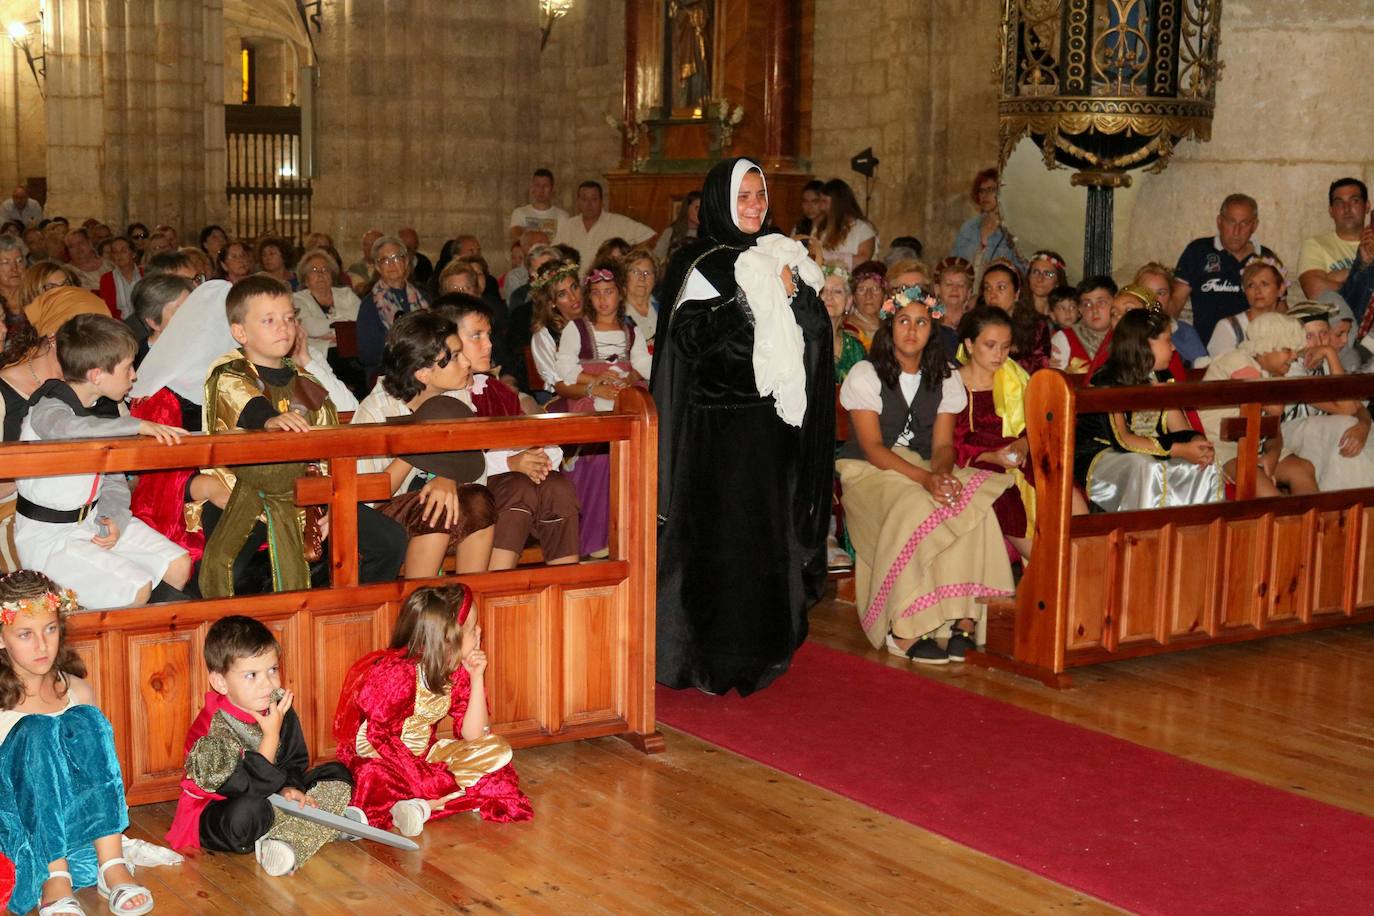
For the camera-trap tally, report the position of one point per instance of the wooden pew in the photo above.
(1128, 584)
(571, 647)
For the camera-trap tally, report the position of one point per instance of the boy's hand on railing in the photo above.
(167, 435)
(290, 422)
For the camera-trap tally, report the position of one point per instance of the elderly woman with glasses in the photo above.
(641, 273)
(391, 296)
(869, 285)
(321, 301)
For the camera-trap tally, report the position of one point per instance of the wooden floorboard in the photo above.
(700, 830)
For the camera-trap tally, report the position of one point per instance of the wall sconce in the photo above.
(22, 37)
(552, 11)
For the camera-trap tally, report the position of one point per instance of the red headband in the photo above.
(600, 275)
(465, 606)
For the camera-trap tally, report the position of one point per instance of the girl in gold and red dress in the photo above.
(990, 432)
(389, 710)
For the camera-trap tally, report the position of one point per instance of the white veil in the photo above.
(197, 335)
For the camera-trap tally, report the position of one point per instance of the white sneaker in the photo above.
(410, 815)
(275, 857)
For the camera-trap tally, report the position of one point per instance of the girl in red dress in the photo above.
(990, 432)
(389, 710)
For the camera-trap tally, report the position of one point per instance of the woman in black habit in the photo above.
(745, 390)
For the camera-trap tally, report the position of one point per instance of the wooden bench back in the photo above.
(571, 647)
(1118, 585)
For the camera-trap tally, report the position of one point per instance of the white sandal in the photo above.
(63, 906)
(120, 894)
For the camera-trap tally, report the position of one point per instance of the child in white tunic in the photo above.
(77, 529)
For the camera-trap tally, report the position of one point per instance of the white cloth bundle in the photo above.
(778, 347)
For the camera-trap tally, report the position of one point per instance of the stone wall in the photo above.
(23, 132)
(581, 80)
(437, 118)
(915, 82)
(134, 110)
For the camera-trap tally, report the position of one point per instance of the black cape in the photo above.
(744, 498)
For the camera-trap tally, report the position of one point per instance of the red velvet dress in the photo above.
(978, 429)
(159, 498)
(379, 693)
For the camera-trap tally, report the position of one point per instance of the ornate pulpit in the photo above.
(1106, 86)
(707, 79)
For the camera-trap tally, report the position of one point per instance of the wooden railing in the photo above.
(1126, 584)
(571, 647)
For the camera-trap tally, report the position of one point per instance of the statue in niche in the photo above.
(691, 22)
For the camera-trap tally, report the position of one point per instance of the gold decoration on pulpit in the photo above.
(1107, 86)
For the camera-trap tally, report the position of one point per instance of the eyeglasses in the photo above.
(642, 274)
(1043, 274)
(139, 236)
(317, 269)
(392, 259)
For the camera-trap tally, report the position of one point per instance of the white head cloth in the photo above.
(197, 335)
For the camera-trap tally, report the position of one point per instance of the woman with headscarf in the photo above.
(743, 378)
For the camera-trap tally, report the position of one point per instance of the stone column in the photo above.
(133, 94)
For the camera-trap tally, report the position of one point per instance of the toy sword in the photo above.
(342, 824)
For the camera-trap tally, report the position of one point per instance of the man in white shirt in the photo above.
(21, 208)
(1324, 262)
(593, 226)
(539, 214)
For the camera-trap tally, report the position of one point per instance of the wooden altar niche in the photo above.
(760, 58)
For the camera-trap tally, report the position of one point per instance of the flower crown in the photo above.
(1051, 257)
(1271, 261)
(908, 296)
(836, 270)
(63, 602)
(556, 274)
(600, 275)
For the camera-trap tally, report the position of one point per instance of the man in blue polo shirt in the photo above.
(1208, 271)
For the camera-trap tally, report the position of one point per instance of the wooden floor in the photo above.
(697, 829)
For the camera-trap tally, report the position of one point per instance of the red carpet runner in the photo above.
(1132, 826)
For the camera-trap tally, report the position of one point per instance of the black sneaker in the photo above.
(926, 651)
(960, 644)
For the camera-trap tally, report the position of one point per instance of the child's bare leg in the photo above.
(474, 552)
(1077, 505)
(501, 558)
(56, 888)
(425, 555)
(1022, 545)
(111, 847)
(144, 593)
(1298, 474)
(178, 572)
